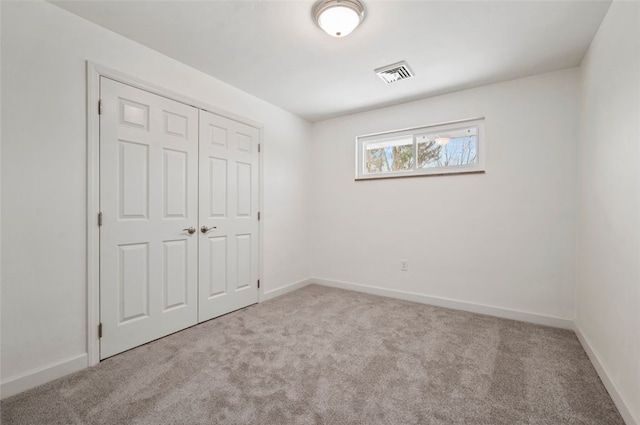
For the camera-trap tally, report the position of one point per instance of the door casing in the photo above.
(94, 72)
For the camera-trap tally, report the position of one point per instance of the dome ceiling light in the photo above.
(338, 17)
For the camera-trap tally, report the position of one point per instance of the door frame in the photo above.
(94, 72)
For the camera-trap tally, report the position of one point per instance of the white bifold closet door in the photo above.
(179, 202)
(228, 215)
(148, 196)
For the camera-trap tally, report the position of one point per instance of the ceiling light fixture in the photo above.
(338, 17)
(442, 140)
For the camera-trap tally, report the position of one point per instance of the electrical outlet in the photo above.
(404, 265)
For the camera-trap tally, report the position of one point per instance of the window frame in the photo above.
(388, 136)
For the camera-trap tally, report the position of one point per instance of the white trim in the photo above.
(394, 135)
(94, 72)
(261, 212)
(504, 313)
(624, 407)
(411, 129)
(273, 293)
(41, 375)
(93, 208)
(130, 80)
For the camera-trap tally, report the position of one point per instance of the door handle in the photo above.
(191, 230)
(205, 229)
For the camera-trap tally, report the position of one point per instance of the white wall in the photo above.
(0, 197)
(608, 254)
(44, 50)
(503, 239)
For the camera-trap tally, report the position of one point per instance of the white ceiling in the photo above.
(275, 51)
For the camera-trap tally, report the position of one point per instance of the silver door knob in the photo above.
(191, 230)
(205, 229)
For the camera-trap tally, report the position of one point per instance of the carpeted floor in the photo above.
(327, 356)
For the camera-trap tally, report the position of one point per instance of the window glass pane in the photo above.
(389, 156)
(428, 152)
(448, 149)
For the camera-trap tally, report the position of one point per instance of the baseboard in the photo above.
(32, 378)
(555, 322)
(621, 403)
(41, 375)
(267, 295)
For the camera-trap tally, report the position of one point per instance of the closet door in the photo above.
(228, 266)
(148, 200)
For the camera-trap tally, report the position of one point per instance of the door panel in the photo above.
(176, 278)
(133, 180)
(228, 266)
(218, 191)
(133, 288)
(244, 245)
(175, 184)
(217, 266)
(244, 195)
(148, 195)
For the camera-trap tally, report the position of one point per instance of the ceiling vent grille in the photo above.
(394, 72)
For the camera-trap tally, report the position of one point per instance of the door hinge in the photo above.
(258, 147)
(258, 283)
(100, 330)
(100, 107)
(258, 215)
(99, 219)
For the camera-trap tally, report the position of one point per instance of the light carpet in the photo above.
(321, 355)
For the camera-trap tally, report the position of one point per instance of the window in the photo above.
(452, 148)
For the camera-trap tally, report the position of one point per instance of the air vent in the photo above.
(395, 72)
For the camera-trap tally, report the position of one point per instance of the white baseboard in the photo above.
(272, 293)
(32, 378)
(555, 322)
(41, 375)
(621, 403)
